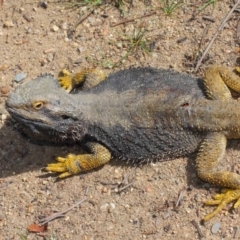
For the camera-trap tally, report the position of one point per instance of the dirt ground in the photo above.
(38, 37)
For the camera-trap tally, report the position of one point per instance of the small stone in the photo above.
(148, 189)
(49, 50)
(127, 207)
(43, 62)
(215, 227)
(3, 67)
(54, 28)
(80, 49)
(5, 90)
(75, 44)
(117, 174)
(119, 45)
(21, 10)
(84, 9)
(45, 182)
(124, 53)
(104, 190)
(8, 24)
(27, 17)
(20, 76)
(77, 61)
(43, 5)
(28, 30)
(24, 179)
(92, 20)
(50, 57)
(188, 210)
(104, 207)
(112, 206)
(64, 26)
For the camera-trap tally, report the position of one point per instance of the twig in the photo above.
(86, 191)
(220, 28)
(71, 31)
(203, 36)
(180, 196)
(122, 22)
(59, 214)
(125, 182)
(125, 187)
(208, 18)
(133, 19)
(236, 10)
(52, 62)
(235, 234)
(84, 18)
(194, 223)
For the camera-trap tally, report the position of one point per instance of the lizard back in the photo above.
(134, 113)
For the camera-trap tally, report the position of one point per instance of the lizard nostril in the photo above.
(65, 117)
(185, 104)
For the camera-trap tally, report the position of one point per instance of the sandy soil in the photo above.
(36, 39)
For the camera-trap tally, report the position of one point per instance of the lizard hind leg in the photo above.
(74, 164)
(217, 79)
(210, 154)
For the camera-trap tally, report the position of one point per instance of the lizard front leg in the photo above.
(210, 154)
(86, 79)
(74, 164)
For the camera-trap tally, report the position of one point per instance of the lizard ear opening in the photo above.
(37, 105)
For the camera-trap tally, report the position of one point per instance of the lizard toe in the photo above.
(65, 80)
(221, 200)
(66, 166)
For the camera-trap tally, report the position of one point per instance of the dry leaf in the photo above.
(37, 228)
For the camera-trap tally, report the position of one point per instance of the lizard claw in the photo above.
(65, 80)
(86, 78)
(66, 166)
(74, 164)
(222, 199)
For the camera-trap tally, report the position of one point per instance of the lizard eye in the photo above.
(37, 105)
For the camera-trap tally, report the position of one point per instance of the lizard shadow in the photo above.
(21, 154)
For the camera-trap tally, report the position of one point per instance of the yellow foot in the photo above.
(74, 164)
(86, 78)
(66, 166)
(222, 199)
(65, 80)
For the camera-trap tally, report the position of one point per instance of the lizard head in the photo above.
(46, 111)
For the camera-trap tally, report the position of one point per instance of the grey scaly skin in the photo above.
(137, 115)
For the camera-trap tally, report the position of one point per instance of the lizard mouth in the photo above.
(39, 130)
(67, 131)
(19, 117)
